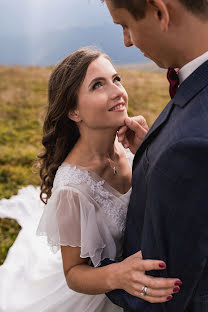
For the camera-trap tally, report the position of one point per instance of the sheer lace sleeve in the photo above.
(69, 219)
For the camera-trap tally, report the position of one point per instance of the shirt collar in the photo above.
(190, 67)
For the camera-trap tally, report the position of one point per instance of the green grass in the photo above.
(23, 101)
(9, 230)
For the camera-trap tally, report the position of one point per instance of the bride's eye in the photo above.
(97, 85)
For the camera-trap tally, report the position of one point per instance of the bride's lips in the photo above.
(119, 107)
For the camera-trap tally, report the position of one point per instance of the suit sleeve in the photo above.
(176, 217)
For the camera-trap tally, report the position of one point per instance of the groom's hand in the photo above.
(133, 132)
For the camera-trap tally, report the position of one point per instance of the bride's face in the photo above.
(102, 100)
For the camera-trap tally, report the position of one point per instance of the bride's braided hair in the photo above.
(59, 132)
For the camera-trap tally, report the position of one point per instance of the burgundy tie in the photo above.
(174, 81)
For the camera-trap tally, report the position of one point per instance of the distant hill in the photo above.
(48, 48)
(149, 67)
(42, 32)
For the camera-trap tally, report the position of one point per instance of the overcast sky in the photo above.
(34, 16)
(41, 31)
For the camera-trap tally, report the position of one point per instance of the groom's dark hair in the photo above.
(137, 8)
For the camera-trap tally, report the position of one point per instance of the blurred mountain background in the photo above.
(42, 32)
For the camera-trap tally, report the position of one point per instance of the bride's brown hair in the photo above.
(59, 132)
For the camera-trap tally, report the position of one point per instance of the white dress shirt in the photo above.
(190, 67)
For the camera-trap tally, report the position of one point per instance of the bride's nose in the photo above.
(116, 91)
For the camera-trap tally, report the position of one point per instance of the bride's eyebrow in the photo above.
(95, 80)
(100, 78)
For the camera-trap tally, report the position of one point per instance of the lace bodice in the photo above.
(85, 211)
(95, 187)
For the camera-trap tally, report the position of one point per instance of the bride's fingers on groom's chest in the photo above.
(148, 265)
(160, 282)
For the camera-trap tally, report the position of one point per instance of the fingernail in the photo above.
(176, 289)
(169, 297)
(178, 283)
(162, 265)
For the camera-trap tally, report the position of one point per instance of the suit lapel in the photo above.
(188, 89)
(154, 130)
(160, 120)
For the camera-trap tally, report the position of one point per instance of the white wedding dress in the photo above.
(83, 211)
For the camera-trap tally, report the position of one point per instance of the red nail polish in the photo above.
(176, 289)
(178, 283)
(162, 265)
(169, 297)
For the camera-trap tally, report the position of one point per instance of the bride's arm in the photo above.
(128, 275)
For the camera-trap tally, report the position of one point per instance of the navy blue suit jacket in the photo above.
(168, 211)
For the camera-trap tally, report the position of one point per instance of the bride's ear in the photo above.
(74, 115)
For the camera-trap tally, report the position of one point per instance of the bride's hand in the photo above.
(130, 276)
(133, 132)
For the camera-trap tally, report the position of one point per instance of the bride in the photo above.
(86, 186)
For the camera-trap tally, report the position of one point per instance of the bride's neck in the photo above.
(98, 145)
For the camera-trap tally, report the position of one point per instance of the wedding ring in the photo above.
(144, 291)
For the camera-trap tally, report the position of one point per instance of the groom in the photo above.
(168, 210)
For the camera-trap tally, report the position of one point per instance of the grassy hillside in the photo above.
(23, 101)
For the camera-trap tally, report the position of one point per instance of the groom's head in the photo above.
(138, 7)
(164, 30)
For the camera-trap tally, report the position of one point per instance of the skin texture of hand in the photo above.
(133, 132)
(130, 276)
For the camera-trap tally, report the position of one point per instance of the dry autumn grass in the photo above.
(23, 101)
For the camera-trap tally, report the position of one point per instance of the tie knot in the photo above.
(173, 80)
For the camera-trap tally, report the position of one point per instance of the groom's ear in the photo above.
(74, 115)
(161, 13)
